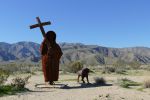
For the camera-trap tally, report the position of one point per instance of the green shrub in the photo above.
(3, 76)
(6, 89)
(17, 85)
(10, 90)
(126, 83)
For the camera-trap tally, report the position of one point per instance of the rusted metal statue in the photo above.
(51, 53)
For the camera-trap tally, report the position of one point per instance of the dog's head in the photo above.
(86, 70)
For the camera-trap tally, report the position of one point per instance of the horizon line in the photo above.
(77, 43)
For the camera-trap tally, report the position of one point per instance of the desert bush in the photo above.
(146, 83)
(3, 76)
(6, 89)
(113, 69)
(126, 83)
(120, 70)
(107, 69)
(134, 65)
(19, 83)
(145, 67)
(119, 63)
(120, 67)
(73, 67)
(10, 90)
(20, 67)
(99, 80)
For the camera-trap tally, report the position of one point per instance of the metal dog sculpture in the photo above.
(83, 73)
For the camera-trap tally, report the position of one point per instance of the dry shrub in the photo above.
(146, 83)
(113, 69)
(99, 80)
(73, 67)
(107, 69)
(19, 83)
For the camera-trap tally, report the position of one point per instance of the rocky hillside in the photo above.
(89, 54)
(23, 51)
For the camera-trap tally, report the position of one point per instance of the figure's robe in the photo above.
(50, 63)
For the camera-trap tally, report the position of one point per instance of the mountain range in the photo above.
(88, 54)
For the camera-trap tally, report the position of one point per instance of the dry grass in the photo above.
(146, 83)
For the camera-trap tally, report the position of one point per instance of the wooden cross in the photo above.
(40, 25)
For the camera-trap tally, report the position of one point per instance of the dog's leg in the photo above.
(78, 78)
(87, 78)
(83, 79)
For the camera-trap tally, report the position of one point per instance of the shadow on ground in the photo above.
(83, 85)
(66, 86)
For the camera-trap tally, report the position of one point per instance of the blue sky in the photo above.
(111, 23)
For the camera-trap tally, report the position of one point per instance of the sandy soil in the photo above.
(78, 91)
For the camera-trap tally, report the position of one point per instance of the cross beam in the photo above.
(40, 25)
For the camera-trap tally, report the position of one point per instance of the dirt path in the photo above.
(76, 91)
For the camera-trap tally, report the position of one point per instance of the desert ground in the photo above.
(79, 91)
